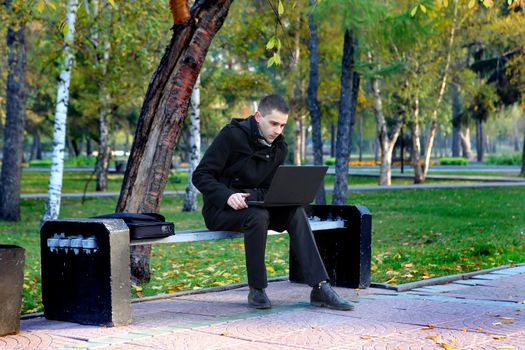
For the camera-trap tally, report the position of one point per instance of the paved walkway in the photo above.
(486, 311)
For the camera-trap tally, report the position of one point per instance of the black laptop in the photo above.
(293, 185)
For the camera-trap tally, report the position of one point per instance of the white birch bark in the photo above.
(59, 134)
(433, 119)
(190, 201)
(385, 143)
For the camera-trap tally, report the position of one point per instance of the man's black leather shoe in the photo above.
(258, 299)
(323, 295)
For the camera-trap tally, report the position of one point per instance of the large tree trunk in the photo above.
(163, 112)
(190, 201)
(15, 119)
(480, 149)
(313, 104)
(59, 135)
(345, 123)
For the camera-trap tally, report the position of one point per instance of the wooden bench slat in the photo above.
(206, 235)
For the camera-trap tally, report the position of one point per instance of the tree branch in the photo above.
(179, 11)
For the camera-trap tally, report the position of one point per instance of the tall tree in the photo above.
(345, 124)
(163, 112)
(440, 94)
(59, 134)
(102, 19)
(190, 200)
(15, 114)
(313, 104)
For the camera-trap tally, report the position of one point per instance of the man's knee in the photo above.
(257, 217)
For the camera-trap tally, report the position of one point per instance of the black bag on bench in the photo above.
(144, 225)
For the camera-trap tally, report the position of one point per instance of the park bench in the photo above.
(85, 262)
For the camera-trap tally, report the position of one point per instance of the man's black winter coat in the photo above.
(237, 161)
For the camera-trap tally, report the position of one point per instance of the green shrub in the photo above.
(504, 159)
(453, 161)
(329, 161)
(80, 161)
(40, 162)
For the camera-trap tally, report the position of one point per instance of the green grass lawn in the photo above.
(417, 234)
(78, 181)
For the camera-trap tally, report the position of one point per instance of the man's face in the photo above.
(271, 125)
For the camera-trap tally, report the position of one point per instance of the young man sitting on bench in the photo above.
(238, 166)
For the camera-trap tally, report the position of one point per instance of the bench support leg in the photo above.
(346, 252)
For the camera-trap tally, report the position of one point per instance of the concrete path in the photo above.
(484, 312)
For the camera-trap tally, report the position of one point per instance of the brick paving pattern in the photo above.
(484, 312)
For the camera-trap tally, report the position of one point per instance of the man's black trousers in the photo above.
(255, 222)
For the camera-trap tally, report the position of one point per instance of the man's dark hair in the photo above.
(273, 102)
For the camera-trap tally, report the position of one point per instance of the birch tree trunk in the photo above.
(190, 201)
(466, 145)
(416, 145)
(104, 152)
(345, 123)
(59, 134)
(298, 146)
(441, 93)
(15, 119)
(163, 112)
(385, 142)
(313, 104)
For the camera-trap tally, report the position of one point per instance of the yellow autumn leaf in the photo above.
(507, 320)
(506, 347)
(499, 337)
(471, 4)
(413, 12)
(280, 8)
(270, 269)
(447, 346)
(423, 8)
(40, 6)
(433, 337)
(366, 337)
